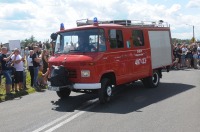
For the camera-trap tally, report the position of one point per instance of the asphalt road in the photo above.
(172, 107)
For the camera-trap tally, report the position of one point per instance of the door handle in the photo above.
(119, 57)
(105, 58)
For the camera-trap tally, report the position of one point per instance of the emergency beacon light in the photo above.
(62, 27)
(95, 21)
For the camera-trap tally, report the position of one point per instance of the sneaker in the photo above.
(10, 95)
(35, 86)
(16, 91)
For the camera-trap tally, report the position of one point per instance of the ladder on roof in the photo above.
(160, 23)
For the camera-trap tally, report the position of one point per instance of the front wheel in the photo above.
(105, 92)
(63, 93)
(152, 81)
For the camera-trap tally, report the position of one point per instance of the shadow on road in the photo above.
(72, 102)
(128, 98)
(14, 96)
(134, 98)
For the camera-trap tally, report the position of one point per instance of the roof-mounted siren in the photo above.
(160, 23)
(153, 24)
(62, 27)
(95, 21)
(121, 22)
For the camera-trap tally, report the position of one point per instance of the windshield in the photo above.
(90, 40)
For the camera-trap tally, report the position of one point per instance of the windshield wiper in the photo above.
(74, 50)
(58, 52)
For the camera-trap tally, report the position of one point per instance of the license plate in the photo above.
(52, 88)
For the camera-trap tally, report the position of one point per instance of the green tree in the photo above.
(193, 40)
(27, 41)
(176, 40)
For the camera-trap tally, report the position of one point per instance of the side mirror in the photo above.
(54, 36)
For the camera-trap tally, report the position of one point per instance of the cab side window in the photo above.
(138, 38)
(117, 41)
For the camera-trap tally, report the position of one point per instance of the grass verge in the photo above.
(19, 94)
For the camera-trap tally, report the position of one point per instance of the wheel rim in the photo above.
(109, 91)
(155, 78)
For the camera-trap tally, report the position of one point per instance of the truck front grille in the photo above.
(72, 73)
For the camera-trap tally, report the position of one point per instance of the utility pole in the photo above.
(193, 34)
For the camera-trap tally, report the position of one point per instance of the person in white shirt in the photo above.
(198, 49)
(26, 54)
(183, 56)
(17, 60)
(30, 66)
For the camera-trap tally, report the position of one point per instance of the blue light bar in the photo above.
(62, 27)
(95, 20)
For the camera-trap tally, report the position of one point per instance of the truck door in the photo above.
(117, 58)
(140, 54)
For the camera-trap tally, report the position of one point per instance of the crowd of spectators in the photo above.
(33, 58)
(186, 56)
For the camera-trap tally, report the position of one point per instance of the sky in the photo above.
(19, 19)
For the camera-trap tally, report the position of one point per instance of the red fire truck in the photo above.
(96, 56)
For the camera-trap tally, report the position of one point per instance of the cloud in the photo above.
(193, 4)
(16, 11)
(10, 1)
(42, 17)
(173, 9)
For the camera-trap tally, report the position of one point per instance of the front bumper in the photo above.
(81, 86)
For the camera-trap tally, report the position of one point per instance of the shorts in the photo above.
(18, 76)
(7, 75)
(40, 80)
(183, 56)
(177, 60)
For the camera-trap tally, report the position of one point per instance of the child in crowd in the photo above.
(42, 78)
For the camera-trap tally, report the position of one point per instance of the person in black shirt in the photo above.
(36, 64)
(44, 57)
(189, 57)
(6, 71)
(177, 55)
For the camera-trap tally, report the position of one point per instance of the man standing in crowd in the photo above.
(30, 66)
(183, 55)
(177, 55)
(6, 71)
(36, 64)
(26, 52)
(17, 60)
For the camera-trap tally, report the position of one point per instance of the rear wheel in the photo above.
(63, 93)
(152, 81)
(105, 92)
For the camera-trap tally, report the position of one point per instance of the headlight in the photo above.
(85, 73)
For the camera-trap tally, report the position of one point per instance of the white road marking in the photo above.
(53, 122)
(65, 117)
(69, 119)
(65, 121)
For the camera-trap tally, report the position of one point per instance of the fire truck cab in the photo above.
(97, 56)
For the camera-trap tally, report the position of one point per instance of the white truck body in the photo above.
(161, 52)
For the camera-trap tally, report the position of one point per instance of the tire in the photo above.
(105, 92)
(63, 93)
(152, 81)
